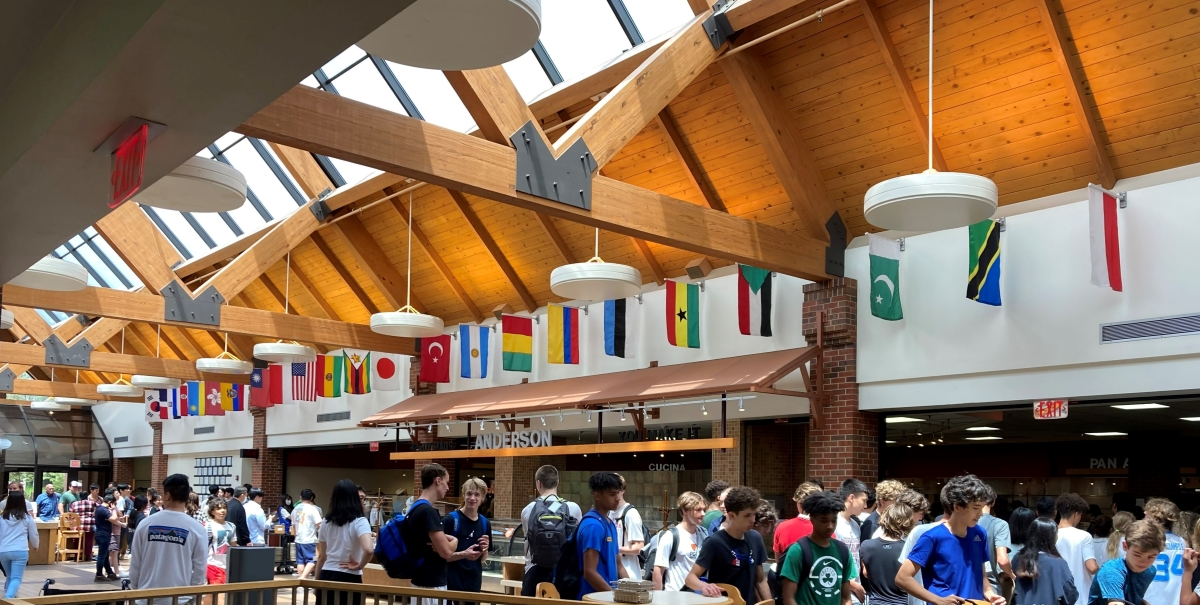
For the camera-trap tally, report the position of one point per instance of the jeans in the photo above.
(533, 576)
(102, 564)
(13, 562)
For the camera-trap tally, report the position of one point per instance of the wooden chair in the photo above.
(546, 590)
(734, 594)
(70, 527)
(767, 602)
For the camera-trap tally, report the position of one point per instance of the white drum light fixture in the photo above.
(143, 381)
(73, 401)
(932, 200)
(596, 279)
(458, 34)
(285, 352)
(6, 319)
(52, 274)
(197, 185)
(49, 405)
(225, 363)
(408, 321)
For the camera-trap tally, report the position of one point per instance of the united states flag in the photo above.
(304, 381)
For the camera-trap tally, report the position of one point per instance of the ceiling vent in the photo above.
(1143, 329)
(334, 417)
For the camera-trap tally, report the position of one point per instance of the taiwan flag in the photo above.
(266, 386)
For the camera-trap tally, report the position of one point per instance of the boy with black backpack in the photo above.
(815, 570)
(464, 569)
(679, 547)
(633, 536)
(548, 522)
(735, 553)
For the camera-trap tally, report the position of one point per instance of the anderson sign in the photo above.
(518, 439)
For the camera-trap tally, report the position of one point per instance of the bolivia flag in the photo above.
(562, 334)
(754, 301)
(683, 314)
(329, 375)
(517, 343)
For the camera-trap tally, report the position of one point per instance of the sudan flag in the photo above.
(683, 314)
(754, 301)
(983, 276)
(358, 371)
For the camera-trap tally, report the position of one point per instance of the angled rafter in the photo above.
(644, 248)
(694, 173)
(221, 339)
(1075, 93)
(441, 265)
(315, 293)
(344, 273)
(45, 388)
(191, 340)
(278, 296)
(493, 248)
(140, 244)
(375, 262)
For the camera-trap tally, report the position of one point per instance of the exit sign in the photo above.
(374, 446)
(1050, 409)
(76, 464)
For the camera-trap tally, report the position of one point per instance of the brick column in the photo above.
(514, 483)
(418, 387)
(846, 444)
(158, 462)
(266, 471)
(448, 463)
(123, 471)
(727, 464)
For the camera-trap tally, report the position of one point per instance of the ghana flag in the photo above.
(683, 314)
(983, 276)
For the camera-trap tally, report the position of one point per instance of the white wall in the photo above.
(1044, 342)
(121, 419)
(186, 464)
(322, 479)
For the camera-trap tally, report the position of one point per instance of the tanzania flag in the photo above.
(517, 343)
(885, 278)
(562, 334)
(212, 404)
(329, 375)
(683, 314)
(358, 371)
(754, 301)
(615, 328)
(191, 398)
(983, 283)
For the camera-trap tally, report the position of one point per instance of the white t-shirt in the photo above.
(1075, 547)
(909, 543)
(306, 518)
(678, 568)
(572, 510)
(1100, 547)
(1164, 590)
(170, 550)
(342, 544)
(629, 530)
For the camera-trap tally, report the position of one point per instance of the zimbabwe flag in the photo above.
(683, 314)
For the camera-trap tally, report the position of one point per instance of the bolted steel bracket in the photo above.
(6, 380)
(319, 208)
(205, 309)
(566, 179)
(78, 355)
(718, 27)
(835, 252)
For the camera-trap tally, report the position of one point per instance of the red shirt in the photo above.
(788, 532)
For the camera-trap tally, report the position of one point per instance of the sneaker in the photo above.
(100, 579)
(123, 575)
(112, 577)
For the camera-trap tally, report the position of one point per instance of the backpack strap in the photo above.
(454, 513)
(806, 557)
(624, 528)
(674, 544)
(843, 557)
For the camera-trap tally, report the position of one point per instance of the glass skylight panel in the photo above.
(364, 83)
(310, 82)
(97, 265)
(227, 139)
(248, 218)
(216, 228)
(580, 35)
(657, 17)
(108, 252)
(433, 96)
(353, 173)
(261, 179)
(182, 230)
(342, 61)
(287, 175)
(527, 75)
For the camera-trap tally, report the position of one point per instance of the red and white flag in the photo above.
(435, 359)
(1106, 248)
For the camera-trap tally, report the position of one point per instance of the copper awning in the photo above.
(747, 373)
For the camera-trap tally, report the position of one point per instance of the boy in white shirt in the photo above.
(1075, 546)
(170, 550)
(670, 572)
(633, 536)
(854, 493)
(306, 520)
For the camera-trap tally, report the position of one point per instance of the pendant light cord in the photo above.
(596, 258)
(408, 256)
(287, 283)
(158, 344)
(930, 86)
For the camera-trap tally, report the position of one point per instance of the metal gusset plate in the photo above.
(78, 355)
(205, 309)
(566, 179)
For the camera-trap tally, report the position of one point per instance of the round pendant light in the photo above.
(197, 185)
(143, 381)
(458, 34)
(224, 364)
(285, 352)
(74, 401)
(408, 321)
(595, 279)
(6, 319)
(52, 274)
(932, 200)
(49, 405)
(121, 388)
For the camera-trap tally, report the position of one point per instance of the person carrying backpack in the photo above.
(815, 570)
(679, 547)
(735, 554)
(424, 536)
(592, 550)
(548, 522)
(633, 536)
(464, 569)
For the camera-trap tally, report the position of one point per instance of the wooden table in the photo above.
(512, 573)
(47, 541)
(665, 597)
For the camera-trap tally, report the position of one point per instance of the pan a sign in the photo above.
(1108, 463)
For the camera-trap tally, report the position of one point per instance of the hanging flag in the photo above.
(616, 329)
(562, 335)
(474, 343)
(236, 395)
(329, 375)
(683, 314)
(211, 406)
(191, 399)
(983, 283)
(1105, 240)
(754, 301)
(885, 278)
(385, 371)
(177, 410)
(304, 381)
(435, 359)
(156, 409)
(517, 343)
(358, 371)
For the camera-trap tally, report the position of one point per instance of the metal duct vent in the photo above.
(204, 430)
(1158, 327)
(334, 417)
(124, 439)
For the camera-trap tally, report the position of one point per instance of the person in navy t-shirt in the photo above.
(951, 556)
(596, 537)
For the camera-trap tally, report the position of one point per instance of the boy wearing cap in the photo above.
(70, 496)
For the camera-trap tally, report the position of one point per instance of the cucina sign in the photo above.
(657, 466)
(517, 439)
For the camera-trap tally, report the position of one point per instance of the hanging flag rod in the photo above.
(1122, 200)
(817, 16)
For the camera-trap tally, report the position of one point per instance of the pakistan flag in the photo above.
(885, 278)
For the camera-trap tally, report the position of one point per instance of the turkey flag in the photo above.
(435, 359)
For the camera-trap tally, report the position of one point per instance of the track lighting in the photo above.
(741, 405)
(543, 421)
(481, 425)
(560, 416)
(703, 410)
(589, 415)
(497, 424)
(622, 415)
(447, 428)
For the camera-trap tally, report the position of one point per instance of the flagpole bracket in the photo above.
(702, 285)
(901, 240)
(1122, 199)
(639, 298)
(1003, 224)
(585, 309)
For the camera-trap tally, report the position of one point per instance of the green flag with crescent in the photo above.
(885, 278)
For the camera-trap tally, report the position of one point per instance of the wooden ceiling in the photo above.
(1041, 96)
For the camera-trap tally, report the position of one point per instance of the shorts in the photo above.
(215, 575)
(305, 553)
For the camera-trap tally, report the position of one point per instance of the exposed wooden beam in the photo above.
(278, 296)
(191, 340)
(441, 265)
(45, 388)
(1075, 93)
(339, 127)
(315, 293)
(493, 248)
(633, 103)
(235, 319)
(235, 347)
(547, 225)
(895, 65)
(659, 276)
(140, 244)
(101, 361)
(29, 320)
(375, 262)
(793, 160)
(344, 273)
(167, 340)
(698, 6)
(694, 173)
(748, 12)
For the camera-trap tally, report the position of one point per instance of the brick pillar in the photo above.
(728, 464)
(123, 471)
(514, 483)
(846, 444)
(158, 462)
(449, 465)
(266, 471)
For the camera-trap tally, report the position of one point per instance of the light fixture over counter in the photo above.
(458, 34)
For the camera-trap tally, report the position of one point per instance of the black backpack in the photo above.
(550, 526)
(643, 556)
(652, 548)
(806, 563)
(568, 575)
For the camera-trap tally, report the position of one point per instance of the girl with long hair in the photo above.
(18, 532)
(1043, 577)
(1120, 524)
(222, 535)
(1018, 525)
(880, 562)
(345, 539)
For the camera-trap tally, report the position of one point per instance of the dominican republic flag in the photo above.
(754, 301)
(304, 381)
(473, 346)
(1105, 240)
(618, 328)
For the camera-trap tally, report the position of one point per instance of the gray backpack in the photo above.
(550, 524)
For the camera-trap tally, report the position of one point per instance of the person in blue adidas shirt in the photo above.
(951, 556)
(596, 539)
(464, 568)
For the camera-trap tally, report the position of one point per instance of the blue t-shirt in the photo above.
(597, 533)
(1116, 581)
(47, 506)
(103, 526)
(951, 565)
